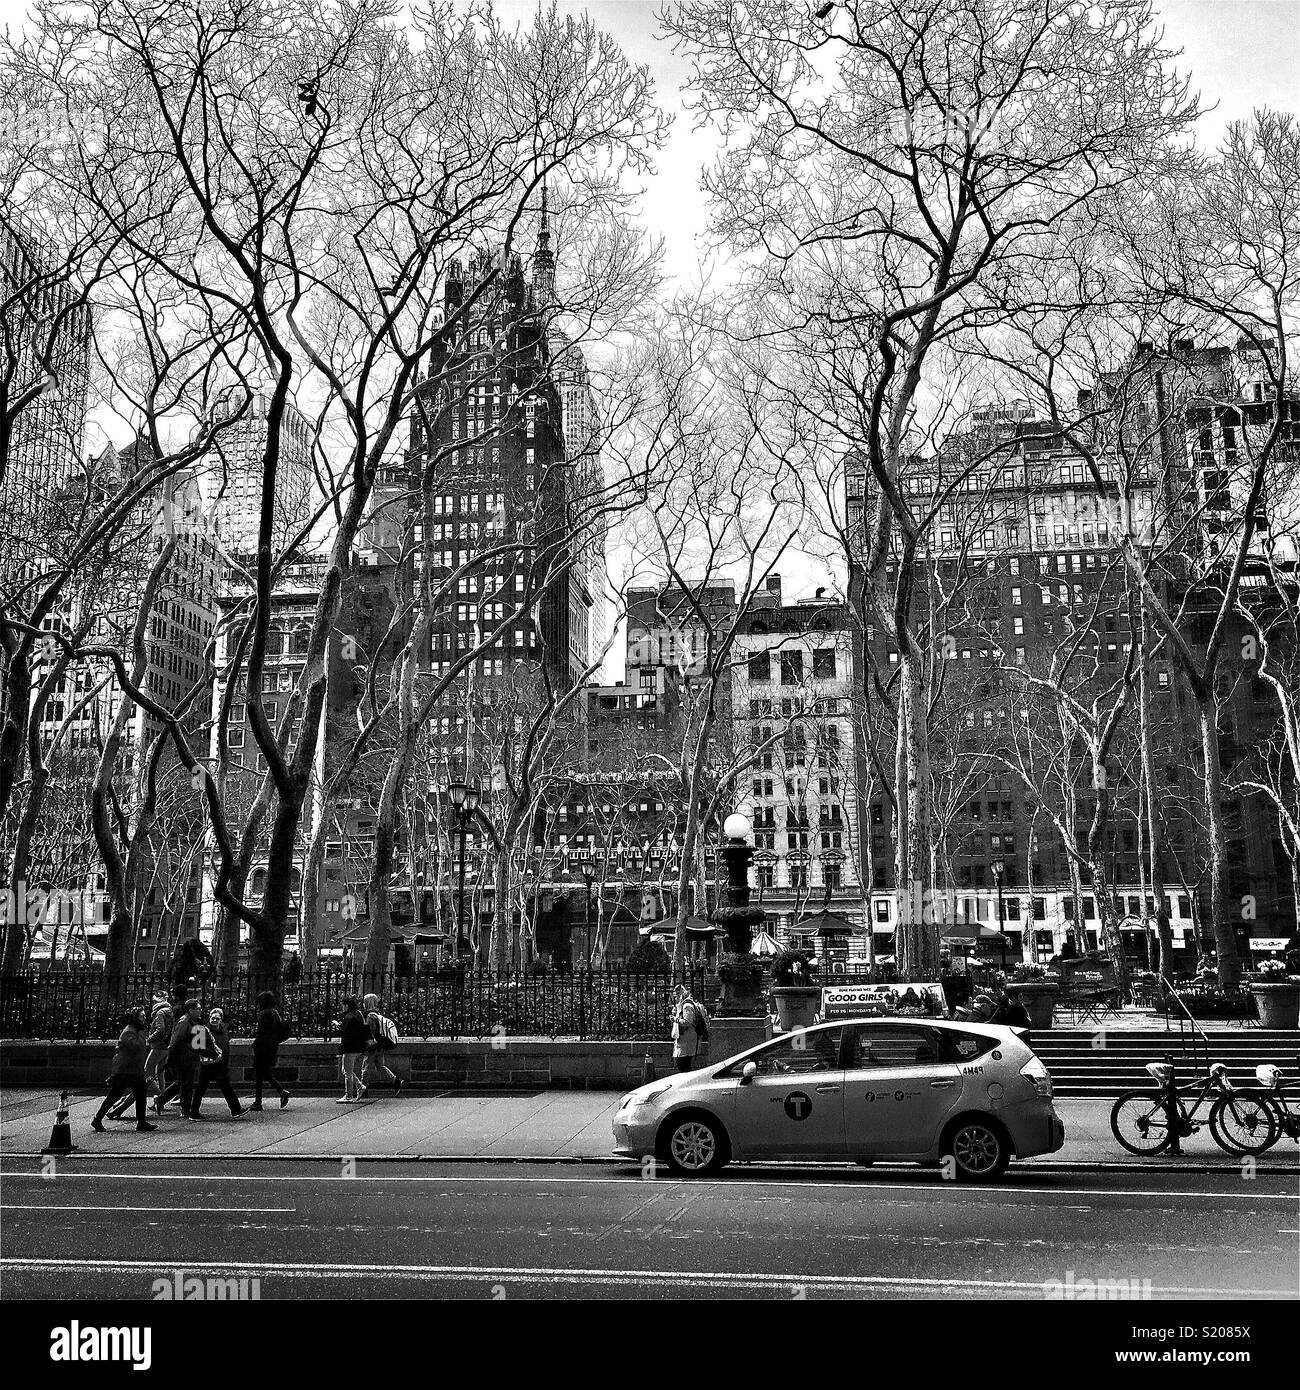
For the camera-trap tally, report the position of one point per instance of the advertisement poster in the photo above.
(903, 1000)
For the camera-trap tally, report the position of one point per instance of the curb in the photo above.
(607, 1161)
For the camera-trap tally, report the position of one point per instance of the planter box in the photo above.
(1039, 999)
(796, 1005)
(1279, 1004)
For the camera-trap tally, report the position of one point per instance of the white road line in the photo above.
(377, 1175)
(193, 1210)
(537, 1274)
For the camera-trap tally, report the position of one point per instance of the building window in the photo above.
(760, 667)
(791, 668)
(824, 663)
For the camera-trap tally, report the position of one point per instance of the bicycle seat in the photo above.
(1160, 1071)
(1219, 1072)
(1269, 1077)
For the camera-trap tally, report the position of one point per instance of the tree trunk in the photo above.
(917, 942)
(1225, 940)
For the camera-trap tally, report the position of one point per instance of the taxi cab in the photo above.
(899, 1090)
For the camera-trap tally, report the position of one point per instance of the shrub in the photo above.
(793, 966)
(1272, 970)
(649, 958)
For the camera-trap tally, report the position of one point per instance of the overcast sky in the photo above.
(1240, 54)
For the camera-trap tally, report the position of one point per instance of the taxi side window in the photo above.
(966, 1047)
(801, 1052)
(897, 1046)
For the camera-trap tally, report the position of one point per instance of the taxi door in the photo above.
(793, 1105)
(897, 1089)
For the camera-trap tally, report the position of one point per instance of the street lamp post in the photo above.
(464, 801)
(998, 868)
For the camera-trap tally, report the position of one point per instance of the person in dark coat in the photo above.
(127, 1071)
(190, 1045)
(271, 1032)
(217, 1073)
(354, 1035)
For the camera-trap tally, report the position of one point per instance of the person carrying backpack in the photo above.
(383, 1037)
(690, 1029)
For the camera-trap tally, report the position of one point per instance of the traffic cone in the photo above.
(647, 1070)
(61, 1134)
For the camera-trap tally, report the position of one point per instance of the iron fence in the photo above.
(588, 1004)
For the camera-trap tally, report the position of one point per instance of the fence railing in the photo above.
(75, 1006)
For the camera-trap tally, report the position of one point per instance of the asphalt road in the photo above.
(306, 1231)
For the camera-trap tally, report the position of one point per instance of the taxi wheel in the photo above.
(978, 1149)
(693, 1145)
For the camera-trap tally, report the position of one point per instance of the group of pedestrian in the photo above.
(365, 1039)
(181, 1055)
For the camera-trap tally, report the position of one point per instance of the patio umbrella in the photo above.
(764, 944)
(826, 923)
(970, 931)
(695, 927)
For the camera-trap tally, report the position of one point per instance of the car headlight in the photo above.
(645, 1094)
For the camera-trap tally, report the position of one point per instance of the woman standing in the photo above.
(686, 1031)
(217, 1072)
(271, 1032)
(354, 1034)
(127, 1072)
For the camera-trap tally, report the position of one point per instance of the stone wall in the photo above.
(507, 1062)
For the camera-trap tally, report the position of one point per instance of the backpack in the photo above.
(701, 1023)
(385, 1031)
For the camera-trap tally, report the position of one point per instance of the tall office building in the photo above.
(234, 479)
(1023, 562)
(46, 346)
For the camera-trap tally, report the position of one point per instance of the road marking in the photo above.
(192, 1210)
(538, 1274)
(739, 1184)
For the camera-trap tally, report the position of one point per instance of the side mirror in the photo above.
(748, 1072)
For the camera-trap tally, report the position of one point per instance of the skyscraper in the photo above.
(235, 477)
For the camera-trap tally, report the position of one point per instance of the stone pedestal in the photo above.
(727, 1036)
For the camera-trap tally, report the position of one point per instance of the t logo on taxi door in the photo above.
(798, 1105)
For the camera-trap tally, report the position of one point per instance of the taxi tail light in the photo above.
(1038, 1076)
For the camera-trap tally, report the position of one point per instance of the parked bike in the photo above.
(1272, 1093)
(1151, 1122)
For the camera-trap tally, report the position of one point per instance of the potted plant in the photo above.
(794, 987)
(1277, 996)
(1032, 986)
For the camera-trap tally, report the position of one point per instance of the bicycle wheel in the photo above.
(1243, 1123)
(1137, 1120)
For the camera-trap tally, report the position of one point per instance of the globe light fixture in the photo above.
(736, 826)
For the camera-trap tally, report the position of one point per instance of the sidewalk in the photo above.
(547, 1126)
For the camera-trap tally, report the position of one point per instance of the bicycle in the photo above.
(1151, 1122)
(1285, 1120)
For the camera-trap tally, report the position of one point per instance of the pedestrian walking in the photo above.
(353, 1037)
(127, 1072)
(190, 1044)
(271, 1031)
(383, 1038)
(217, 1072)
(157, 1037)
(690, 1029)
